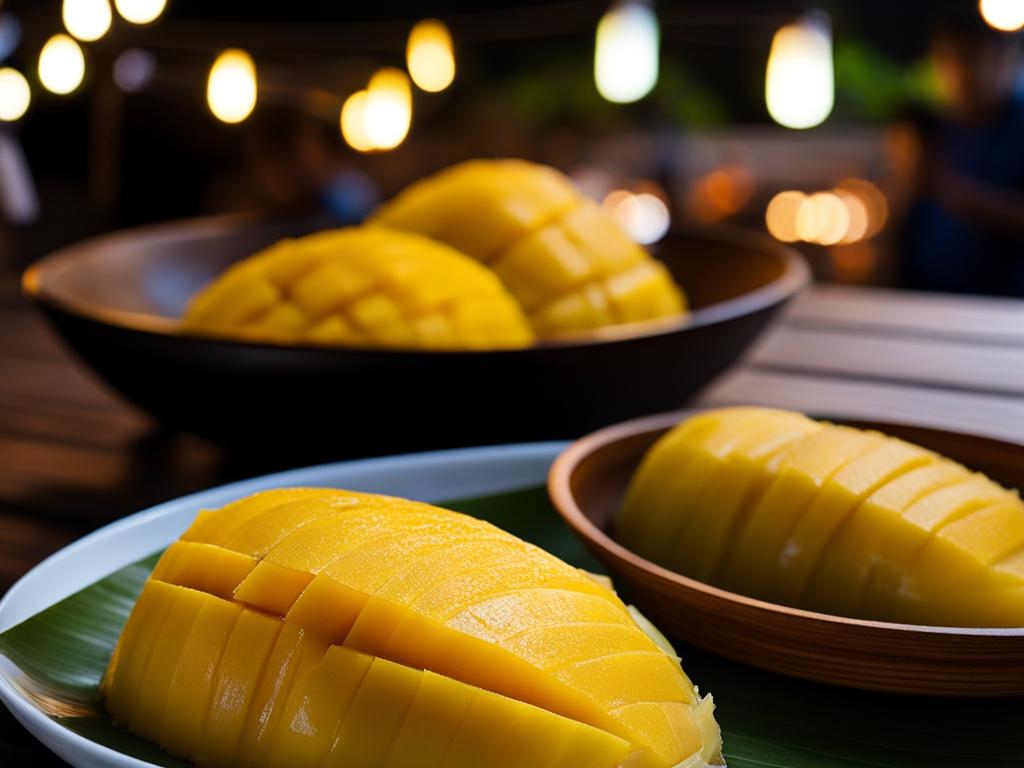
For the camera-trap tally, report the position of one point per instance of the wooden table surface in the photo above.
(73, 456)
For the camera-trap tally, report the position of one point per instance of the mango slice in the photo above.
(774, 505)
(368, 631)
(567, 263)
(361, 286)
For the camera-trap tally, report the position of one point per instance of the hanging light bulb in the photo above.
(1004, 15)
(61, 65)
(799, 82)
(15, 95)
(140, 11)
(353, 122)
(388, 112)
(87, 20)
(231, 88)
(429, 56)
(626, 52)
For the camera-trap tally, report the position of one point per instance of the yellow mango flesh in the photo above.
(828, 518)
(361, 286)
(369, 631)
(567, 263)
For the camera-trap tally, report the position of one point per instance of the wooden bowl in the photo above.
(117, 300)
(587, 483)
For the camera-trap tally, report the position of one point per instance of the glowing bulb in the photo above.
(388, 111)
(231, 89)
(429, 56)
(1004, 15)
(799, 82)
(15, 94)
(626, 53)
(780, 216)
(87, 20)
(353, 122)
(140, 11)
(644, 217)
(61, 65)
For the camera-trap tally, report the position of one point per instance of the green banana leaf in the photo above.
(767, 719)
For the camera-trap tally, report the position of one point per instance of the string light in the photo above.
(643, 216)
(61, 65)
(15, 95)
(430, 57)
(1004, 15)
(387, 115)
(87, 20)
(626, 53)
(353, 123)
(140, 11)
(231, 89)
(799, 81)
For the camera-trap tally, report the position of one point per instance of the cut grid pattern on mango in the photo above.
(568, 264)
(362, 286)
(309, 627)
(776, 506)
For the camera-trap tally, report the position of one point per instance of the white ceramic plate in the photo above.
(432, 476)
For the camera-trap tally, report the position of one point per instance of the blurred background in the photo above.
(885, 139)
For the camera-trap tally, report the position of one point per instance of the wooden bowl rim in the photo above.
(795, 275)
(560, 491)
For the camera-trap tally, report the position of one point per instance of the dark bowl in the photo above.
(116, 300)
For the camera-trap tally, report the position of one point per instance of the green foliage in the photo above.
(876, 86)
(767, 719)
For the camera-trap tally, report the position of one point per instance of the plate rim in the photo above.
(79, 750)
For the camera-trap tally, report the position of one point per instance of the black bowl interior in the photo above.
(117, 300)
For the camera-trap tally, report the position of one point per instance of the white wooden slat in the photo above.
(988, 415)
(873, 355)
(995, 319)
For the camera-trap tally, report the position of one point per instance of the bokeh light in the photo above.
(875, 204)
(87, 20)
(855, 211)
(353, 123)
(780, 216)
(430, 57)
(134, 69)
(719, 194)
(799, 81)
(15, 94)
(643, 215)
(61, 65)
(140, 11)
(1004, 15)
(231, 89)
(822, 219)
(626, 53)
(387, 115)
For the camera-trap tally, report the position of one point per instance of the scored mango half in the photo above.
(319, 627)
(361, 286)
(567, 263)
(780, 507)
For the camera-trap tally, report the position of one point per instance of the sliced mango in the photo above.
(828, 518)
(368, 631)
(361, 286)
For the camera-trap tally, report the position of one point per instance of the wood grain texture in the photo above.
(587, 484)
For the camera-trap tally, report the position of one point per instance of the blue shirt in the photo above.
(944, 252)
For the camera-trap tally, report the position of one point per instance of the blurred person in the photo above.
(964, 168)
